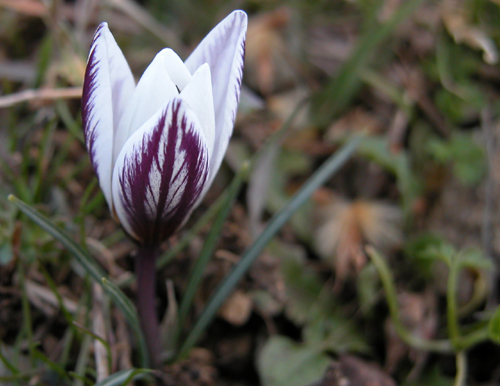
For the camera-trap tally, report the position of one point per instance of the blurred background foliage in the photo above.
(418, 80)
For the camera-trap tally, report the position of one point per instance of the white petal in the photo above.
(176, 68)
(160, 173)
(108, 84)
(198, 96)
(154, 89)
(157, 86)
(223, 49)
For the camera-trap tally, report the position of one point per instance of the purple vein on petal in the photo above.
(88, 113)
(173, 152)
(239, 78)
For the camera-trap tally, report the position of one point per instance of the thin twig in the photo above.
(41, 94)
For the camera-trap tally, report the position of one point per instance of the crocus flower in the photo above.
(157, 146)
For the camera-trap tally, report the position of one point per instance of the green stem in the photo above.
(145, 271)
(461, 363)
(474, 338)
(480, 292)
(442, 346)
(451, 304)
(209, 245)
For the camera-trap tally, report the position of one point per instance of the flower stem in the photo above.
(145, 271)
(442, 346)
(453, 327)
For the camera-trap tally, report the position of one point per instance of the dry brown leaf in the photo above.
(267, 61)
(27, 7)
(284, 104)
(458, 25)
(45, 300)
(356, 120)
(347, 226)
(237, 309)
(197, 370)
(99, 328)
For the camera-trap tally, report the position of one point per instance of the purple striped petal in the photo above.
(108, 84)
(160, 174)
(223, 49)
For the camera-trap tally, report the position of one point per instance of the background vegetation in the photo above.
(387, 275)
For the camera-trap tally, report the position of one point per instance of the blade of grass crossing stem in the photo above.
(130, 312)
(339, 91)
(189, 236)
(210, 242)
(122, 377)
(332, 165)
(214, 209)
(60, 235)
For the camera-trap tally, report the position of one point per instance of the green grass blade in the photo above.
(122, 377)
(91, 267)
(39, 356)
(79, 374)
(130, 312)
(331, 166)
(96, 337)
(8, 365)
(340, 91)
(210, 242)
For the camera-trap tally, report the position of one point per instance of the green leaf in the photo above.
(368, 288)
(91, 267)
(310, 302)
(334, 333)
(122, 377)
(333, 164)
(464, 154)
(6, 253)
(302, 285)
(494, 327)
(210, 243)
(283, 362)
(376, 148)
(474, 258)
(431, 378)
(128, 309)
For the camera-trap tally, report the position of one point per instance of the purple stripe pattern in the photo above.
(163, 177)
(89, 89)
